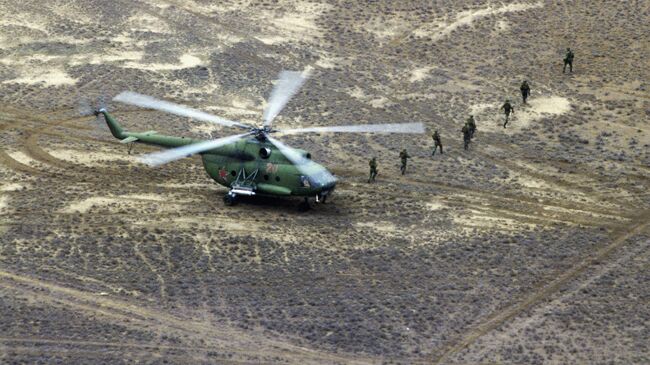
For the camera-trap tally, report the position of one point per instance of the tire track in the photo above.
(41, 155)
(109, 350)
(195, 329)
(497, 319)
(542, 217)
(507, 202)
(15, 165)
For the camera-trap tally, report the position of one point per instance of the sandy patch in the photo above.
(380, 226)
(302, 19)
(385, 28)
(530, 182)
(435, 205)
(11, 187)
(148, 23)
(357, 93)
(480, 108)
(577, 212)
(380, 102)
(442, 29)
(298, 24)
(479, 219)
(4, 202)
(157, 3)
(29, 27)
(91, 158)
(502, 26)
(30, 21)
(205, 129)
(542, 107)
(488, 220)
(23, 158)
(239, 107)
(121, 201)
(271, 40)
(419, 74)
(110, 57)
(328, 62)
(185, 61)
(549, 175)
(38, 69)
(45, 76)
(375, 102)
(487, 114)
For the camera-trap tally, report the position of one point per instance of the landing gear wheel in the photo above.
(229, 199)
(304, 206)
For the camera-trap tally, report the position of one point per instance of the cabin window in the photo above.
(233, 173)
(304, 182)
(277, 178)
(266, 177)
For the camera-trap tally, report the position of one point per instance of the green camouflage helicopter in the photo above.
(251, 163)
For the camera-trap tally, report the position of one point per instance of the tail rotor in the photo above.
(86, 108)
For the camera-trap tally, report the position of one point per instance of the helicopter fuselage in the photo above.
(248, 166)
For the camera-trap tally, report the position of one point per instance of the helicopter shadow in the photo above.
(288, 205)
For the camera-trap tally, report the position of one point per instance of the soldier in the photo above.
(436, 142)
(568, 60)
(404, 156)
(373, 170)
(507, 108)
(525, 90)
(466, 136)
(471, 124)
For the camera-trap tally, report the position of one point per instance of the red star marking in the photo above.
(271, 168)
(223, 173)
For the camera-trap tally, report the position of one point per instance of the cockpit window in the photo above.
(304, 182)
(321, 178)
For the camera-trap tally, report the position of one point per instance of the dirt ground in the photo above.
(533, 247)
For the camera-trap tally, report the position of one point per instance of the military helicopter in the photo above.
(251, 163)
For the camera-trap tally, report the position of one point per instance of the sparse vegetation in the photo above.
(530, 248)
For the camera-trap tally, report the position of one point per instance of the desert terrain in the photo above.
(533, 247)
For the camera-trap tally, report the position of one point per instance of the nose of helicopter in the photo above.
(323, 184)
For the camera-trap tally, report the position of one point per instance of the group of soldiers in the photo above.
(469, 128)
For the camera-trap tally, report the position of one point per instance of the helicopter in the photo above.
(253, 162)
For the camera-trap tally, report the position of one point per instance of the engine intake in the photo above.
(265, 152)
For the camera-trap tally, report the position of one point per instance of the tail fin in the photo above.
(113, 125)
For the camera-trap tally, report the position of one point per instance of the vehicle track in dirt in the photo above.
(499, 318)
(71, 169)
(127, 313)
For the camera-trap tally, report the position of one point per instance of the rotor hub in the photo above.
(261, 133)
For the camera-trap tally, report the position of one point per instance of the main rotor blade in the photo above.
(304, 165)
(162, 157)
(361, 128)
(132, 98)
(289, 82)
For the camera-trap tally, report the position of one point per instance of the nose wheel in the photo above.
(304, 206)
(230, 199)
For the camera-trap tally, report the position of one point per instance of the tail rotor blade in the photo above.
(162, 157)
(289, 82)
(362, 128)
(101, 102)
(144, 101)
(84, 108)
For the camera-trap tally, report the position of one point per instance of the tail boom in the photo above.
(150, 137)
